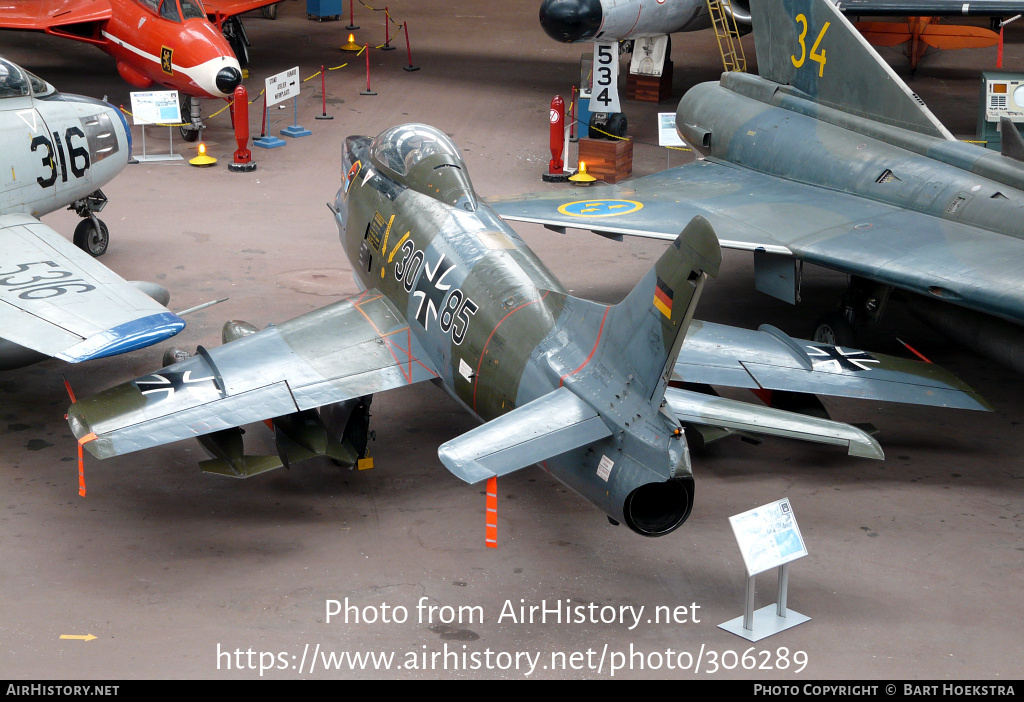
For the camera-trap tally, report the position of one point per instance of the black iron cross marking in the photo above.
(170, 383)
(431, 288)
(835, 359)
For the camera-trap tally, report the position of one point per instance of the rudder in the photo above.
(810, 45)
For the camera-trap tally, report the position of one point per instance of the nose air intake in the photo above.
(228, 79)
(571, 20)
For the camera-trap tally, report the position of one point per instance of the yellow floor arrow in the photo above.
(86, 637)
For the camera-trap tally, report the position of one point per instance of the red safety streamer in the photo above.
(491, 535)
(999, 52)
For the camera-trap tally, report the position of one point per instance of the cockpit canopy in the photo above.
(425, 160)
(17, 82)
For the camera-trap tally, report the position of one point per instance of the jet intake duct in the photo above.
(739, 10)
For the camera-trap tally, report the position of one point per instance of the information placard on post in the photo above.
(667, 134)
(159, 107)
(768, 536)
(156, 107)
(283, 86)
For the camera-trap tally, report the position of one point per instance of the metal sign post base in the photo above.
(768, 620)
(148, 158)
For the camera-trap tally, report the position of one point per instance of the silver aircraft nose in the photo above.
(571, 20)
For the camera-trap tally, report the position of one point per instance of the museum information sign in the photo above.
(768, 536)
(156, 107)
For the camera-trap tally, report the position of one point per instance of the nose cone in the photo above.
(228, 79)
(571, 20)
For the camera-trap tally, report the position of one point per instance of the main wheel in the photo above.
(834, 329)
(91, 239)
(188, 132)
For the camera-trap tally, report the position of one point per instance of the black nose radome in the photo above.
(571, 20)
(228, 79)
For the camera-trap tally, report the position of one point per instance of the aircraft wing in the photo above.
(354, 347)
(769, 359)
(52, 15)
(931, 8)
(59, 301)
(230, 8)
(753, 211)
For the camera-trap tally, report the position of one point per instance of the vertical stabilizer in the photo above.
(646, 329)
(811, 46)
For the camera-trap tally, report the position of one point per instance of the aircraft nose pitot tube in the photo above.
(571, 20)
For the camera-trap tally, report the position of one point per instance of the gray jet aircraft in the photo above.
(605, 23)
(829, 158)
(454, 296)
(57, 150)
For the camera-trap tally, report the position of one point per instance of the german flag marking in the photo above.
(663, 298)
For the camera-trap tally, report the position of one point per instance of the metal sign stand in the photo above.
(295, 130)
(761, 624)
(156, 107)
(159, 157)
(768, 537)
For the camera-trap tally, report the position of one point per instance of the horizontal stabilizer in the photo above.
(769, 359)
(707, 410)
(548, 426)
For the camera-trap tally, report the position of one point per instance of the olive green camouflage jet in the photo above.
(454, 296)
(829, 158)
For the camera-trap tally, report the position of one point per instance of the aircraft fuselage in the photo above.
(501, 330)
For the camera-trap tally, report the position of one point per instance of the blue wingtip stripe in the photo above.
(136, 334)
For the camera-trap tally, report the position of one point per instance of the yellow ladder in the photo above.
(728, 35)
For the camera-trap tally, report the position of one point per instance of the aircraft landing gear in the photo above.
(862, 304)
(238, 40)
(192, 114)
(604, 123)
(91, 234)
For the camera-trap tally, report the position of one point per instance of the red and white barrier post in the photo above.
(242, 162)
(555, 173)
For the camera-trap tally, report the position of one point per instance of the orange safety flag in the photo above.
(491, 536)
(81, 463)
(999, 52)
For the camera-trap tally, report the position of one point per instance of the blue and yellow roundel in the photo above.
(600, 208)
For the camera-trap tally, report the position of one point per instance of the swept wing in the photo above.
(753, 211)
(354, 347)
(59, 301)
(73, 19)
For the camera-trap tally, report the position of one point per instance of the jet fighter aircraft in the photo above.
(454, 296)
(181, 45)
(829, 158)
(607, 22)
(57, 150)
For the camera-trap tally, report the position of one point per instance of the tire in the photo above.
(269, 11)
(617, 124)
(834, 329)
(187, 132)
(90, 239)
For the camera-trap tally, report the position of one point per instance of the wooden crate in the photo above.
(610, 160)
(650, 88)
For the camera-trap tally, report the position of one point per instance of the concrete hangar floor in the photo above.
(915, 565)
